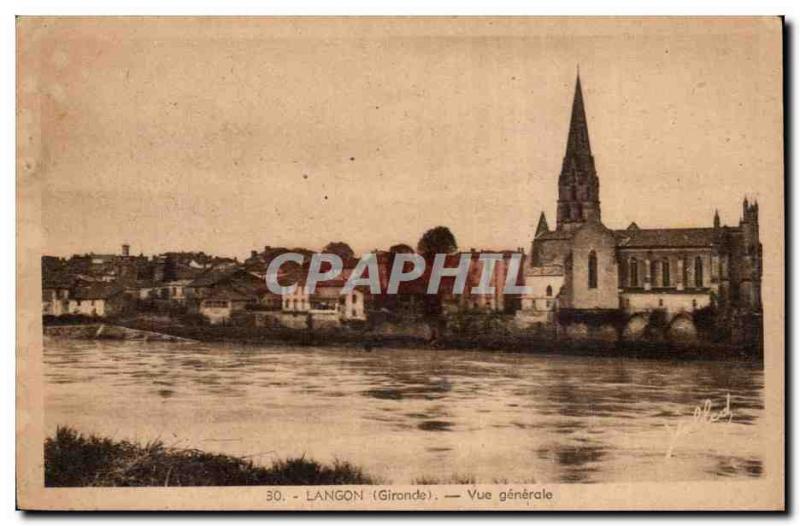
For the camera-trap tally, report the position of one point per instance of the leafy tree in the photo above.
(438, 240)
(401, 248)
(170, 268)
(340, 248)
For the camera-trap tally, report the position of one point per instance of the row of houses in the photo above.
(106, 285)
(220, 289)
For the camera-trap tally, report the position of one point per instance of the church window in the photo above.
(549, 291)
(665, 273)
(592, 270)
(634, 272)
(579, 212)
(698, 272)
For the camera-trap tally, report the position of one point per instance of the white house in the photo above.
(219, 306)
(97, 299)
(174, 291)
(544, 285)
(327, 302)
(55, 301)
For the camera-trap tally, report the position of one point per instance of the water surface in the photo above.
(410, 415)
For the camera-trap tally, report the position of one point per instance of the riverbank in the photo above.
(107, 331)
(148, 329)
(74, 460)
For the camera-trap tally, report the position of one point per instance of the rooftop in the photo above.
(97, 291)
(665, 237)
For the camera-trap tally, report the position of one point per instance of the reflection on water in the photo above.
(408, 415)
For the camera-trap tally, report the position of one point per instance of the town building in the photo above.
(328, 305)
(122, 267)
(98, 300)
(55, 293)
(218, 293)
(222, 303)
(497, 300)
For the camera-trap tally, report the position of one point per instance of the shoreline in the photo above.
(513, 343)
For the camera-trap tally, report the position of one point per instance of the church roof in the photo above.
(665, 237)
(647, 238)
(555, 235)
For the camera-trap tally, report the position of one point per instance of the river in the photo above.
(407, 415)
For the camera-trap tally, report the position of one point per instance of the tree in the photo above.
(340, 248)
(401, 248)
(170, 268)
(438, 240)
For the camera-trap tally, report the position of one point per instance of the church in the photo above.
(582, 266)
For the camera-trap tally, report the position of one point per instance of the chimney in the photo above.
(126, 250)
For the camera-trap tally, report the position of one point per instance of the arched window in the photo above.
(592, 270)
(579, 212)
(549, 291)
(665, 273)
(633, 267)
(653, 272)
(698, 272)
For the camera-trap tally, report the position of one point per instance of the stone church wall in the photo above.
(594, 237)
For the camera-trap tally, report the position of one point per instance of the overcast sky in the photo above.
(228, 135)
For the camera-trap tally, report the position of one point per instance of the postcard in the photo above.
(400, 263)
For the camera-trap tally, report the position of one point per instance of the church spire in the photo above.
(578, 139)
(578, 186)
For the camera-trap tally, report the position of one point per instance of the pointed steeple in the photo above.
(542, 227)
(716, 219)
(578, 139)
(578, 186)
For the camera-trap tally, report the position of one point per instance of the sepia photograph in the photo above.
(375, 263)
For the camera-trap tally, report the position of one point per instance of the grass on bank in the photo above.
(428, 480)
(72, 460)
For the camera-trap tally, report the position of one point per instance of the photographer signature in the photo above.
(703, 416)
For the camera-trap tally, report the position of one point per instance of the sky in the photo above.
(226, 135)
